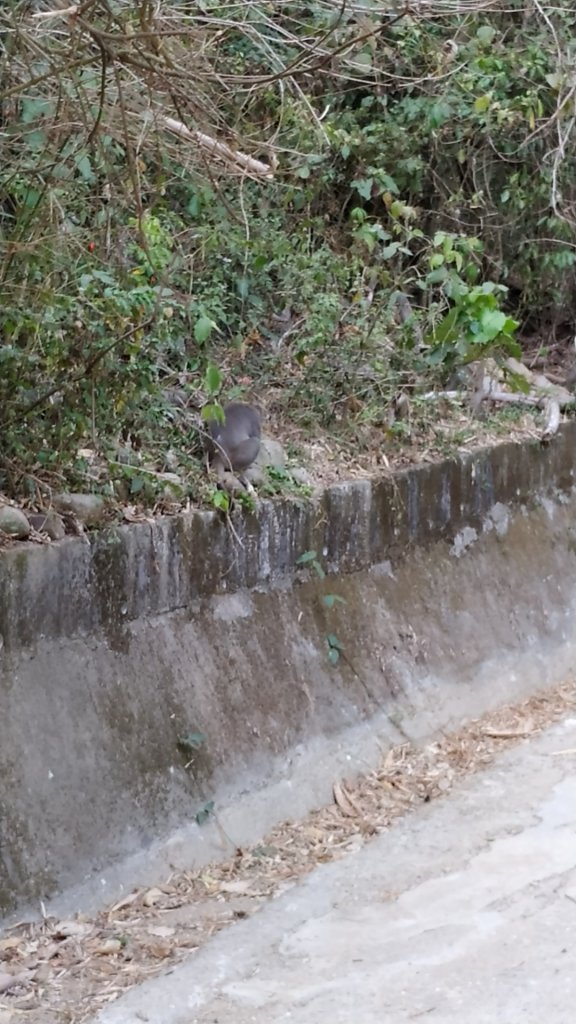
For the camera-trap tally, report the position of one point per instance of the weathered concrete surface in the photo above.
(121, 575)
(460, 590)
(463, 913)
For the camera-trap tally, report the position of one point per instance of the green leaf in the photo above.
(104, 277)
(367, 234)
(446, 330)
(485, 34)
(84, 168)
(308, 556)
(331, 599)
(398, 208)
(334, 655)
(440, 112)
(362, 60)
(243, 287)
(482, 103)
(203, 329)
(513, 347)
(492, 322)
(363, 187)
(438, 355)
(213, 412)
(193, 206)
(390, 250)
(510, 326)
(334, 642)
(436, 276)
(36, 107)
(221, 501)
(212, 379)
(36, 140)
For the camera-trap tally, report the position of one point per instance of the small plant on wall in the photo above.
(310, 558)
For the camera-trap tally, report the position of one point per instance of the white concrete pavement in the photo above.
(464, 911)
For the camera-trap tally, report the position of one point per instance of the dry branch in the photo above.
(66, 12)
(552, 409)
(487, 385)
(219, 149)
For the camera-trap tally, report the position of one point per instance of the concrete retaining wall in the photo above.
(459, 590)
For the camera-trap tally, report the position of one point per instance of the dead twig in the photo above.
(219, 149)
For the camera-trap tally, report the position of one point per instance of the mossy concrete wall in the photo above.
(458, 583)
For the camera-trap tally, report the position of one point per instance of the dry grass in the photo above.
(434, 431)
(62, 972)
(447, 430)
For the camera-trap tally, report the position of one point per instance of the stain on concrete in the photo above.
(109, 563)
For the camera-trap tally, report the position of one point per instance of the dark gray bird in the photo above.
(235, 443)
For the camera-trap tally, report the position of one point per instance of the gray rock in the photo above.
(171, 460)
(301, 476)
(50, 523)
(89, 509)
(127, 456)
(271, 454)
(14, 522)
(254, 475)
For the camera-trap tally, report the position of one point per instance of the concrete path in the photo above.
(463, 912)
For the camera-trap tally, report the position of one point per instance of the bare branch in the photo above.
(64, 13)
(220, 149)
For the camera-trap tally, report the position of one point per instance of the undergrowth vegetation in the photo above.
(332, 204)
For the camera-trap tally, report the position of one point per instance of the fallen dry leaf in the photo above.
(127, 901)
(161, 931)
(71, 929)
(508, 734)
(161, 949)
(108, 947)
(132, 515)
(240, 888)
(152, 896)
(12, 943)
(344, 801)
(9, 981)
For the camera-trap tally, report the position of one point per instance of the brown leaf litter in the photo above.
(63, 972)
